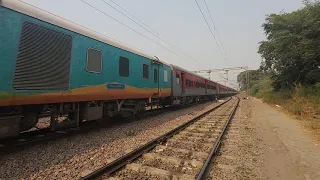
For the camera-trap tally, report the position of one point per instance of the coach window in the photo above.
(165, 76)
(124, 67)
(145, 71)
(94, 61)
(155, 75)
(178, 79)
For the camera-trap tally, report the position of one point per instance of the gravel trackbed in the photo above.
(73, 157)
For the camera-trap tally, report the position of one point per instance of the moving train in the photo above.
(49, 65)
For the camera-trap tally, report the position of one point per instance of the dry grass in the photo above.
(302, 103)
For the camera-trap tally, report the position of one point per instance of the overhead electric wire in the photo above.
(132, 29)
(215, 39)
(120, 42)
(214, 26)
(147, 28)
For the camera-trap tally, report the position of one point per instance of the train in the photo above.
(49, 65)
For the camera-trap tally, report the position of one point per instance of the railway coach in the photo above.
(188, 87)
(49, 64)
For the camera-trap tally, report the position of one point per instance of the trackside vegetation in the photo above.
(289, 74)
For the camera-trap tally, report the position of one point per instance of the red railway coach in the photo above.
(189, 87)
(212, 88)
(222, 89)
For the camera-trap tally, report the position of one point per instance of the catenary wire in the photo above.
(215, 28)
(131, 29)
(215, 39)
(120, 42)
(147, 28)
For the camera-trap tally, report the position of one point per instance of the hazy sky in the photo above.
(181, 23)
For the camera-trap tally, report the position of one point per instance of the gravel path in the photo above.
(266, 145)
(287, 149)
(69, 158)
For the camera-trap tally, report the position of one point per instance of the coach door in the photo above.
(155, 71)
(182, 82)
(206, 87)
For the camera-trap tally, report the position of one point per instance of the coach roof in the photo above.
(30, 10)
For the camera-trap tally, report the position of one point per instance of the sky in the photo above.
(180, 23)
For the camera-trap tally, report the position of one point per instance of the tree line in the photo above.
(291, 51)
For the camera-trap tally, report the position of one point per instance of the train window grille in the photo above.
(124, 67)
(165, 76)
(145, 73)
(94, 60)
(155, 75)
(44, 58)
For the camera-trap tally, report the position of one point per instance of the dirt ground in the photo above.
(286, 149)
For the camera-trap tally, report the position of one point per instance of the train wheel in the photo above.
(29, 120)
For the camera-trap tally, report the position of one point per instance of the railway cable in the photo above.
(133, 29)
(113, 39)
(214, 26)
(214, 37)
(147, 28)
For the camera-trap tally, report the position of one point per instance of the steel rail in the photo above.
(129, 157)
(207, 165)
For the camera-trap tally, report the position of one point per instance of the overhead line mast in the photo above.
(226, 70)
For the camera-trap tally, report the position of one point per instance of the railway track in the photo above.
(185, 152)
(28, 139)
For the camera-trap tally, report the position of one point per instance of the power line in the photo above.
(131, 29)
(146, 27)
(84, 27)
(210, 30)
(215, 28)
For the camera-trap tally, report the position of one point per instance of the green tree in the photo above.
(254, 76)
(291, 52)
